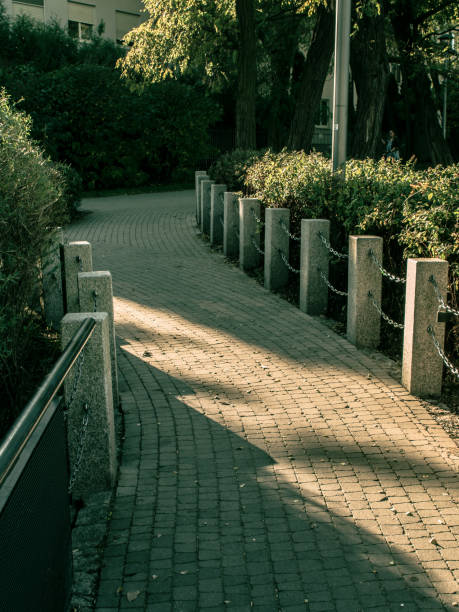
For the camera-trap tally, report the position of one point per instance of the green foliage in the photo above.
(30, 205)
(72, 189)
(230, 169)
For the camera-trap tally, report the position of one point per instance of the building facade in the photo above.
(113, 17)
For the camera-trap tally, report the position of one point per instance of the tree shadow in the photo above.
(231, 526)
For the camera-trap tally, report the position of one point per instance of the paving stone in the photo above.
(258, 444)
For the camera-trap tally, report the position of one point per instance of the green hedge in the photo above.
(416, 212)
(31, 204)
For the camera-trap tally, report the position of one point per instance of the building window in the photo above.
(323, 113)
(82, 31)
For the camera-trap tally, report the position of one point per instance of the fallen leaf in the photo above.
(132, 595)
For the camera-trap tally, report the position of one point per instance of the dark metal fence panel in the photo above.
(35, 535)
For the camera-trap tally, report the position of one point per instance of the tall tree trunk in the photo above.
(312, 81)
(370, 71)
(423, 136)
(247, 76)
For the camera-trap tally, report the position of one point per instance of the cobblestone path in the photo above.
(267, 464)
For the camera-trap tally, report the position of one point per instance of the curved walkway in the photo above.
(267, 464)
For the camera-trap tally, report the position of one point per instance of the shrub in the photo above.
(72, 189)
(30, 204)
(231, 168)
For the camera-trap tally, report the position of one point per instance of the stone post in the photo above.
(364, 276)
(217, 194)
(53, 297)
(422, 366)
(205, 205)
(77, 258)
(198, 177)
(92, 397)
(96, 294)
(277, 242)
(230, 225)
(249, 233)
(314, 260)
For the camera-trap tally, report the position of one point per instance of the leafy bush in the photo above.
(30, 204)
(72, 189)
(231, 168)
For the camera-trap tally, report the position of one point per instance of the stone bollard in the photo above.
(249, 233)
(314, 261)
(53, 297)
(277, 243)
(217, 193)
(230, 225)
(422, 366)
(77, 258)
(206, 184)
(364, 276)
(96, 294)
(198, 177)
(91, 399)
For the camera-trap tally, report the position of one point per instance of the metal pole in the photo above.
(341, 83)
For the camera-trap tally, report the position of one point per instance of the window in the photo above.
(323, 113)
(82, 31)
(125, 22)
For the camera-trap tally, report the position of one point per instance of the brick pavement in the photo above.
(266, 463)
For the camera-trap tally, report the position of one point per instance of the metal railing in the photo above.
(35, 530)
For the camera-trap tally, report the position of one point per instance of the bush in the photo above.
(30, 204)
(231, 168)
(72, 189)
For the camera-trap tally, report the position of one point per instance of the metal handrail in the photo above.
(30, 417)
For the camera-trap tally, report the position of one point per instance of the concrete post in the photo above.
(217, 193)
(364, 276)
(249, 233)
(422, 366)
(77, 258)
(277, 241)
(198, 177)
(97, 469)
(96, 294)
(314, 260)
(230, 225)
(205, 205)
(53, 297)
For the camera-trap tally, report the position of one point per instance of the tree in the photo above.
(247, 76)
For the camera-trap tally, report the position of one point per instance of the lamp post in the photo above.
(341, 83)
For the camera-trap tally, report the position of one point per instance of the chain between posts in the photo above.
(94, 297)
(286, 262)
(444, 358)
(440, 299)
(257, 219)
(81, 444)
(257, 248)
(384, 272)
(330, 286)
(330, 248)
(284, 227)
(383, 314)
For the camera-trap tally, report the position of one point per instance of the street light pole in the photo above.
(341, 83)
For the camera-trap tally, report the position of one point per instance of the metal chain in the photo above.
(392, 277)
(440, 299)
(286, 262)
(325, 279)
(329, 247)
(257, 247)
(257, 219)
(445, 359)
(383, 314)
(80, 448)
(94, 297)
(284, 227)
(76, 381)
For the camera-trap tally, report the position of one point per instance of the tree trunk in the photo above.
(312, 81)
(423, 136)
(247, 76)
(370, 72)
